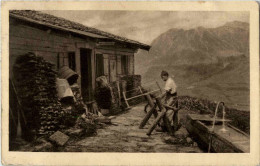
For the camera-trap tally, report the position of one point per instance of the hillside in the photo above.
(209, 63)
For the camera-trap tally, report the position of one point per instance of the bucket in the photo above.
(66, 73)
(64, 90)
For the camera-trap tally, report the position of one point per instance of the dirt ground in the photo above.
(123, 135)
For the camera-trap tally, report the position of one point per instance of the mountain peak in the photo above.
(237, 24)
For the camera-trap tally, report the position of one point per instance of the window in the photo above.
(72, 61)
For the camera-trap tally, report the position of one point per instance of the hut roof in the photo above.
(66, 25)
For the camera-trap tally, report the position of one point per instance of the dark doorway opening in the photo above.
(86, 74)
(72, 60)
(99, 65)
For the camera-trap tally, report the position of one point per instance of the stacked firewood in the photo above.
(133, 82)
(35, 81)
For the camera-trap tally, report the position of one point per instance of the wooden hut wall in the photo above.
(113, 63)
(52, 45)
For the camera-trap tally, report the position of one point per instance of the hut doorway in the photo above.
(86, 74)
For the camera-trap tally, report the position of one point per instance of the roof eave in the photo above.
(89, 34)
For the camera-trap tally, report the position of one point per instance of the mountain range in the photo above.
(210, 63)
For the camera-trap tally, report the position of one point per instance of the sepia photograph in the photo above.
(129, 81)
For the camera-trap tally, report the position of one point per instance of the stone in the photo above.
(195, 144)
(169, 140)
(44, 147)
(189, 140)
(181, 133)
(59, 138)
(75, 132)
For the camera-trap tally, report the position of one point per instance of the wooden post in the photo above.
(119, 93)
(125, 100)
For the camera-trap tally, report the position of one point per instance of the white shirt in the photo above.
(170, 85)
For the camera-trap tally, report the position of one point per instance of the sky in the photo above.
(145, 26)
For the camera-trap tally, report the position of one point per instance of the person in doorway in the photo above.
(170, 98)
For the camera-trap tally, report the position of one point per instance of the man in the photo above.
(170, 99)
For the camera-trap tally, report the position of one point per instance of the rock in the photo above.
(44, 147)
(169, 140)
(75, 132)
(189, 140)
(194, 144)
(59, 138)
(181, 133)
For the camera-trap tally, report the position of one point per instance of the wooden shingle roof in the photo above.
(63, 24)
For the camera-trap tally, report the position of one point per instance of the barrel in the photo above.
(64, 90)
(66, 73)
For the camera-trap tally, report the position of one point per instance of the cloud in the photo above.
(145, 26)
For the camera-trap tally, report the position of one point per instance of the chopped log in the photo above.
(157, 120)
(151, 103)
(147, 117)
(166, 121)
(149, 114)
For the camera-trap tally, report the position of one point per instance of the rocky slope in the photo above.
(209, 63)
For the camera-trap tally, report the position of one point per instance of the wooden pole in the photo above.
(119, 93)
(125, 100)
(140, 89)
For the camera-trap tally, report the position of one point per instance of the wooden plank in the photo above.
(112, 70)
(36, 33)
(112, 52)
(78, 66)
(118, 65)
(131, 64)
(106, 66)
(93, 69)
(38, 43)
(35, 48)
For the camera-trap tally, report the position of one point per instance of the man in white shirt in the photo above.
(170, 99)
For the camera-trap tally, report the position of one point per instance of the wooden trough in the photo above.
(231, 141)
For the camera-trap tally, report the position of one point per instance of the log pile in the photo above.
(132, 84)
(35, 81)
